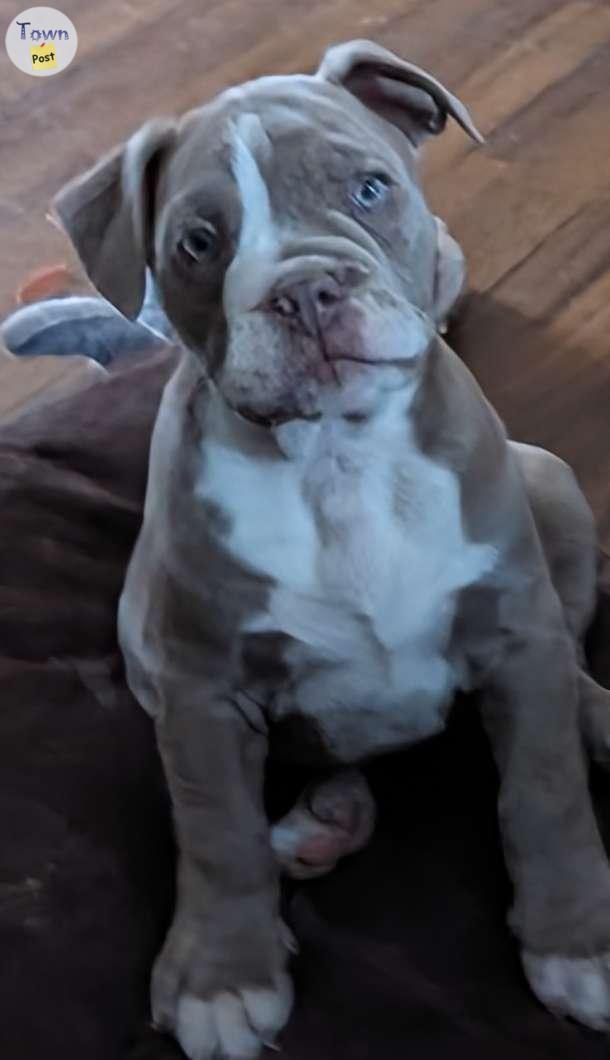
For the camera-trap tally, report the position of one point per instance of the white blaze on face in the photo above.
(257, 246)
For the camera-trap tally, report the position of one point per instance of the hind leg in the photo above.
(567, 531)
(332, 818)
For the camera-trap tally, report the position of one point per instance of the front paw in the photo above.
(574, 987)
(224, 995)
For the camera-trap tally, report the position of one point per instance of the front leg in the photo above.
(554, 853)
(220, 983)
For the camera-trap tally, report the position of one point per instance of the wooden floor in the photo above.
(531, 208)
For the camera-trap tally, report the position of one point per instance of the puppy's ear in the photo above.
(450, 274)
(108, 212)
(398, 91)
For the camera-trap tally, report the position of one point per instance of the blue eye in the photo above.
(370, 191)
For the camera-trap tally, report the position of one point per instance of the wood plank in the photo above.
(512, 78)
(502, 214)
(561, 267)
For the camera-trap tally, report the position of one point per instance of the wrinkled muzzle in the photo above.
(315, 328)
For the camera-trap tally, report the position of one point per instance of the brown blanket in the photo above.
(404, 950)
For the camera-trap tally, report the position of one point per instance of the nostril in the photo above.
(284, 306)
(327, 293)
(326, 298)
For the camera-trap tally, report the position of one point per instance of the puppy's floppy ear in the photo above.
(450, 274)
(400, 92)
(107, 212)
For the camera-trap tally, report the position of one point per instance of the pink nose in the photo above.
(310, 304)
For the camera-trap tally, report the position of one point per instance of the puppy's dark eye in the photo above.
(199, 243)
(370, 191)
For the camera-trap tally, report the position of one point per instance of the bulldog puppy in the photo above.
(337, 534)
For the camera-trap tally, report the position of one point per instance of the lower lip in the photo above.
(354, 360)
(264, 422)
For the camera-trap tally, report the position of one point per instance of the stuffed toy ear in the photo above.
(450, 275)
(398, 91)
(107, 212)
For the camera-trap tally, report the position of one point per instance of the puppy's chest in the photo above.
(361, 539)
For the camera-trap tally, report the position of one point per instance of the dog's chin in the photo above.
(358, 389)
(262, 408)
(345, 372)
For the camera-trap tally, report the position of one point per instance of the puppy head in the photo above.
(286, 229)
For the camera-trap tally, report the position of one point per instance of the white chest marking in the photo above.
(360, 533)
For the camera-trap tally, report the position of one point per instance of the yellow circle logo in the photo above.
(41, 41)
